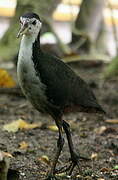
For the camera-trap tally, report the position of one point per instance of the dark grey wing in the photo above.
(63, 86)
(57, 77)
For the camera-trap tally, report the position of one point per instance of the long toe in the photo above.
(69, 168)
(74, 161)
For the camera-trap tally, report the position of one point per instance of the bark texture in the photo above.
(9, 43)
(89, 24)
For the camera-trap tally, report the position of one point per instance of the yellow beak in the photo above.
(23, 29)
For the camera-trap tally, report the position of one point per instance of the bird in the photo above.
(51, 86)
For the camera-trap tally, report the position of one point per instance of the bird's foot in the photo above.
(74, 161)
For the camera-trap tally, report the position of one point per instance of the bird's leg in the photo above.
(74, 156)
(60, 144)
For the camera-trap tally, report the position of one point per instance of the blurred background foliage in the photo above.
(73, 29)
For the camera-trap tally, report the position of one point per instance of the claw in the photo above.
(74, 161)
(63, 169)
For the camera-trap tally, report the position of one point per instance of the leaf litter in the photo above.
(20, 124)
(42, 140)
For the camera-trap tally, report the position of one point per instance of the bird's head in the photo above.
(30, 25)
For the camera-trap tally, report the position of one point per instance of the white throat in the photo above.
(30, 83)
(25, 62)
(27, 40)
(25, 52)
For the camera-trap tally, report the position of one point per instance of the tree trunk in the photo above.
(9, 44)
(88, 24)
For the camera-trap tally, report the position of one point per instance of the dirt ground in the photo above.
(93, 137)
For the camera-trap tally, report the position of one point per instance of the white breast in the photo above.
(30, 83)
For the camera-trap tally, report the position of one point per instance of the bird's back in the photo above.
(64, 88)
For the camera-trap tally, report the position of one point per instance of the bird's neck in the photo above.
(29, 48)
(31, 40)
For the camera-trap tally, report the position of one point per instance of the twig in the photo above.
(13, 91)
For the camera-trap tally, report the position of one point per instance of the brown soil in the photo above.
(87, 139)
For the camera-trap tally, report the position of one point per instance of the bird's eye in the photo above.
(34, 22)
(21, 22)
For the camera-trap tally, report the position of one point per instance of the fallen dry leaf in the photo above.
(44, 159)
(12, 127)
(109, 130)
(52, 127)
(94, 156)
(6, 80)
(104, 169)
(100, 130)
(63, 176)
(23, 145)
(5, 154)
(24, 125)
(113, 121)
(79, 176)
(20, 124)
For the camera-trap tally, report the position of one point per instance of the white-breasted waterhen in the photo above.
(51, 85)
